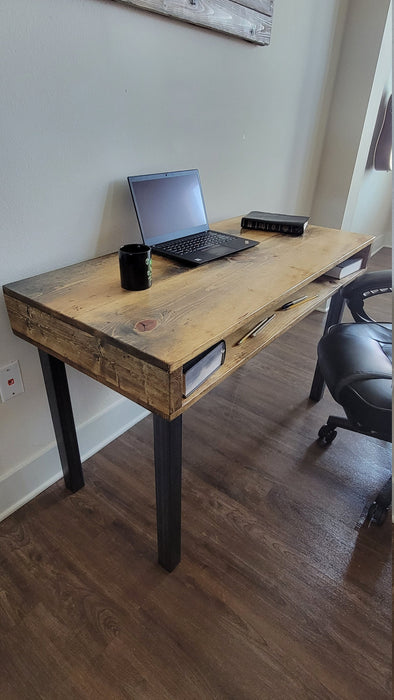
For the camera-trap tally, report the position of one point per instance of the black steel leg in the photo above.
(334, 316)
(168, 469)
(59, 400)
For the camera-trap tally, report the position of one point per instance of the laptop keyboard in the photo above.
(192, 244)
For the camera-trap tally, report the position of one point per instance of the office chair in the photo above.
(355, 361)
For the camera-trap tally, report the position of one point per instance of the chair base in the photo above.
(327, 432)
(377, 511)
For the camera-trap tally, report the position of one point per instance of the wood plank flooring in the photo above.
(277, 596)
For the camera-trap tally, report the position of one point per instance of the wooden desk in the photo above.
(137, 342)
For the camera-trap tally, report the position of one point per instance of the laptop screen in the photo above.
(168, 205)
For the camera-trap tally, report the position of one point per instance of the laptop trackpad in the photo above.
(217, 251)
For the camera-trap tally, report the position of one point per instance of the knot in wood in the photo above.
(148, 324)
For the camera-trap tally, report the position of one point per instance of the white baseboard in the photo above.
(379, 243)
(27, 480)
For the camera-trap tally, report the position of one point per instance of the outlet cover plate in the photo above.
(10, 381)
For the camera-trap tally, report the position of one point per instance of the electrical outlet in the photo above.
(10, 381)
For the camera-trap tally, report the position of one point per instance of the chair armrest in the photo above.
(367, 285)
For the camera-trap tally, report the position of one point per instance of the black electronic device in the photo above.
(173, 221)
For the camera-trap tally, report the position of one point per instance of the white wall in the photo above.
(349, 194)
(369, 205)
(92, 92)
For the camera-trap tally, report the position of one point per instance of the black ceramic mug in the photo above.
(135, 266)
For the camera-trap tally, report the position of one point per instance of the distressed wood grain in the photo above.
(214, 300)
(250, 20)
(150, 386)
(138, 342)
(266, 7)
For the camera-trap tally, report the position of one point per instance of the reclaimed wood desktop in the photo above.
(138, 342)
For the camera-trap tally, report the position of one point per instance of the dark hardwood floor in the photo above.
(278, 596)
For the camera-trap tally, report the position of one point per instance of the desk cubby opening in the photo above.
(320, 290)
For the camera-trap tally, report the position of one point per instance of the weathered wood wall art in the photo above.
(248, 19)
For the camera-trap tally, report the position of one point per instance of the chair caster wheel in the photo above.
(326, 435)
(376, 514)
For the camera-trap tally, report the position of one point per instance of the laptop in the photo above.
(171, 214)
